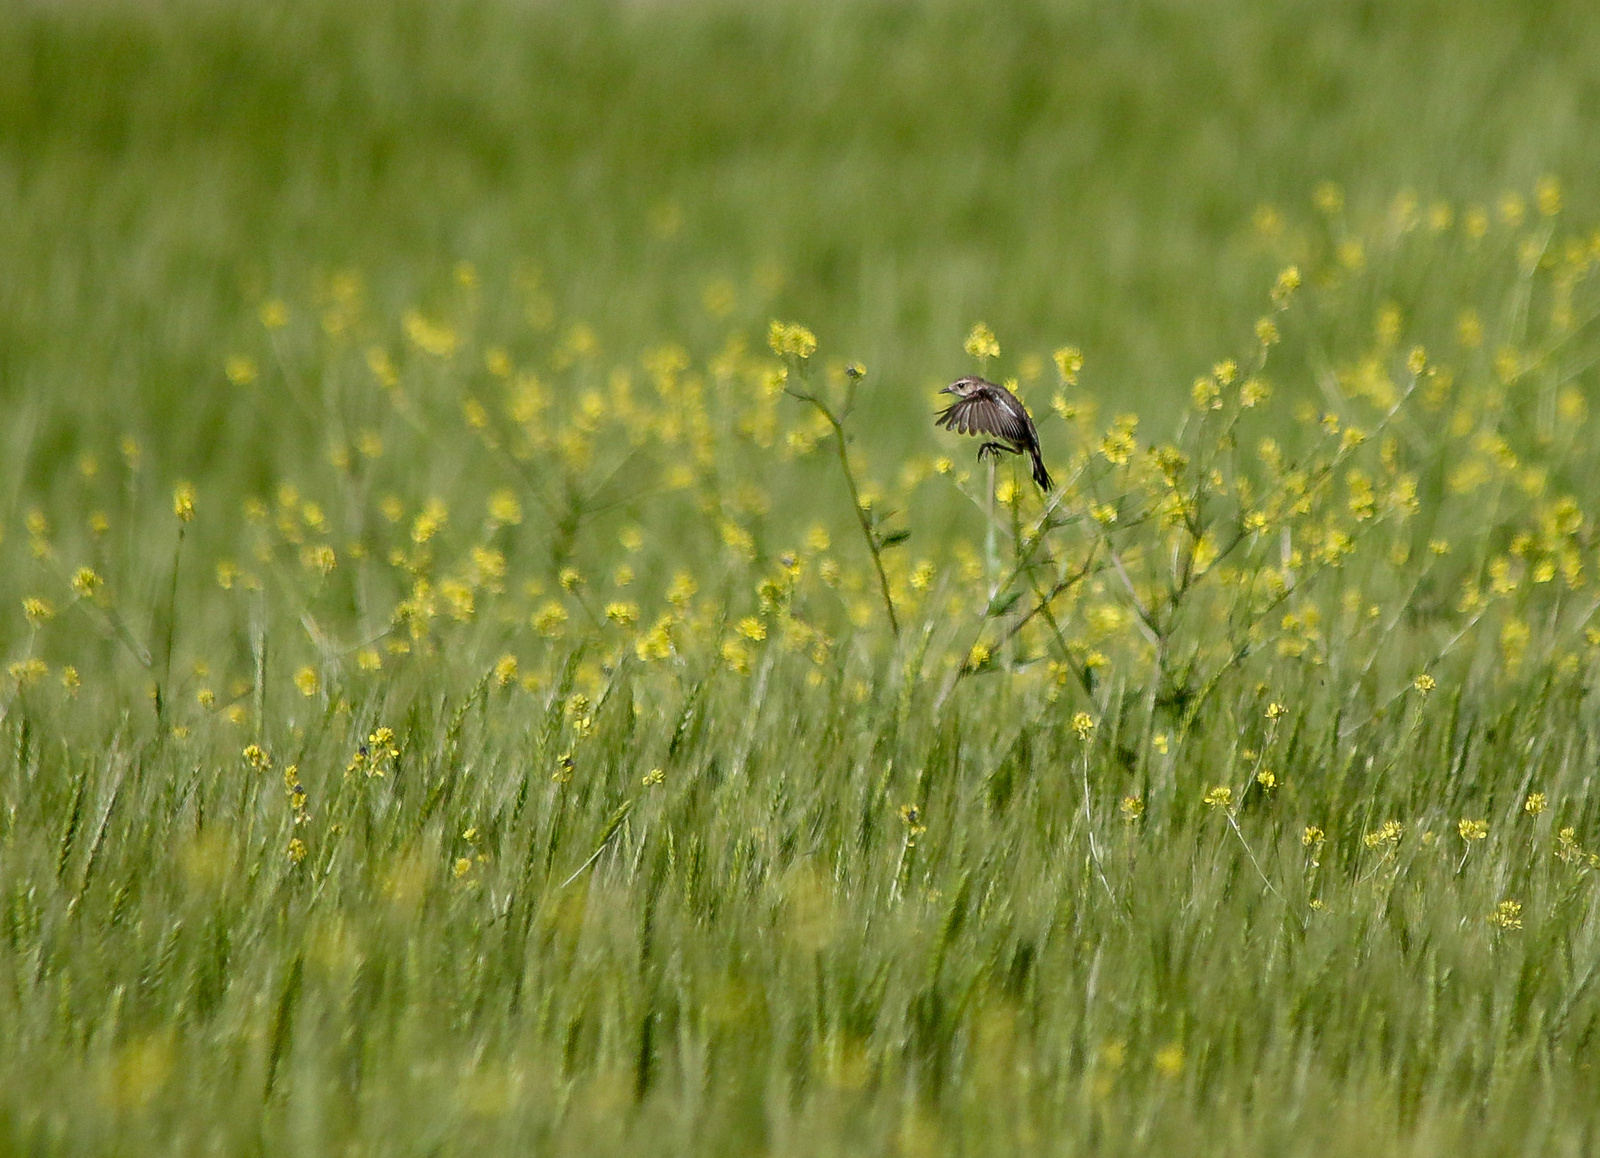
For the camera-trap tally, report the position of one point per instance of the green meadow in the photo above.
(495, 656)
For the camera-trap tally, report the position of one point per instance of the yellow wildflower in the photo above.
(1069, 361)
(788, 339)
(1118, 445)
(382, 367)
(981, 343)
(459, 599)
(372, 757)
(27, 672)
(682, 590)
(1288, 281)
(319, 558)
(430, 337)
(1548, 196)
(911, 818)
(1169, 1060)
(1507, 915)
(736, 656)
(550, 620)
(504, 509)
(427, 523)
(1389, 834)
(240, 369)
(656, 644)
(383, 744)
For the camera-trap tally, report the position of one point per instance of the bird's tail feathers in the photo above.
(1040, 475)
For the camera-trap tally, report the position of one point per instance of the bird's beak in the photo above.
(948, 389)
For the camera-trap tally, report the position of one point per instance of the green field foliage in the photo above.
(495, 656)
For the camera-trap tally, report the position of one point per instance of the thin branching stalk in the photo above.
(836, 422)
(164, 688)
(1088, 828)
(1271, 888)
(861, 521)
(991, 559)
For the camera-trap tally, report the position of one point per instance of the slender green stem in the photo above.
(836, 422)
(861, 515)
(1088, 830)
(991, 561)
(164, 688)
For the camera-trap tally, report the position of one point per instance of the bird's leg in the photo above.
(996, 448)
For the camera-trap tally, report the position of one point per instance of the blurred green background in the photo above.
(887, 173)
(679, 172)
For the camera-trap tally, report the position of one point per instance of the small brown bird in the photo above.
(981, 407)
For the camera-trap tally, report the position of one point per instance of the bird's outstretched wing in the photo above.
(984, 411)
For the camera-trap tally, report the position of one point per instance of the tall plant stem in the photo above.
(836, 423)
(991, 561)
(164, 687)
(861, 515)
